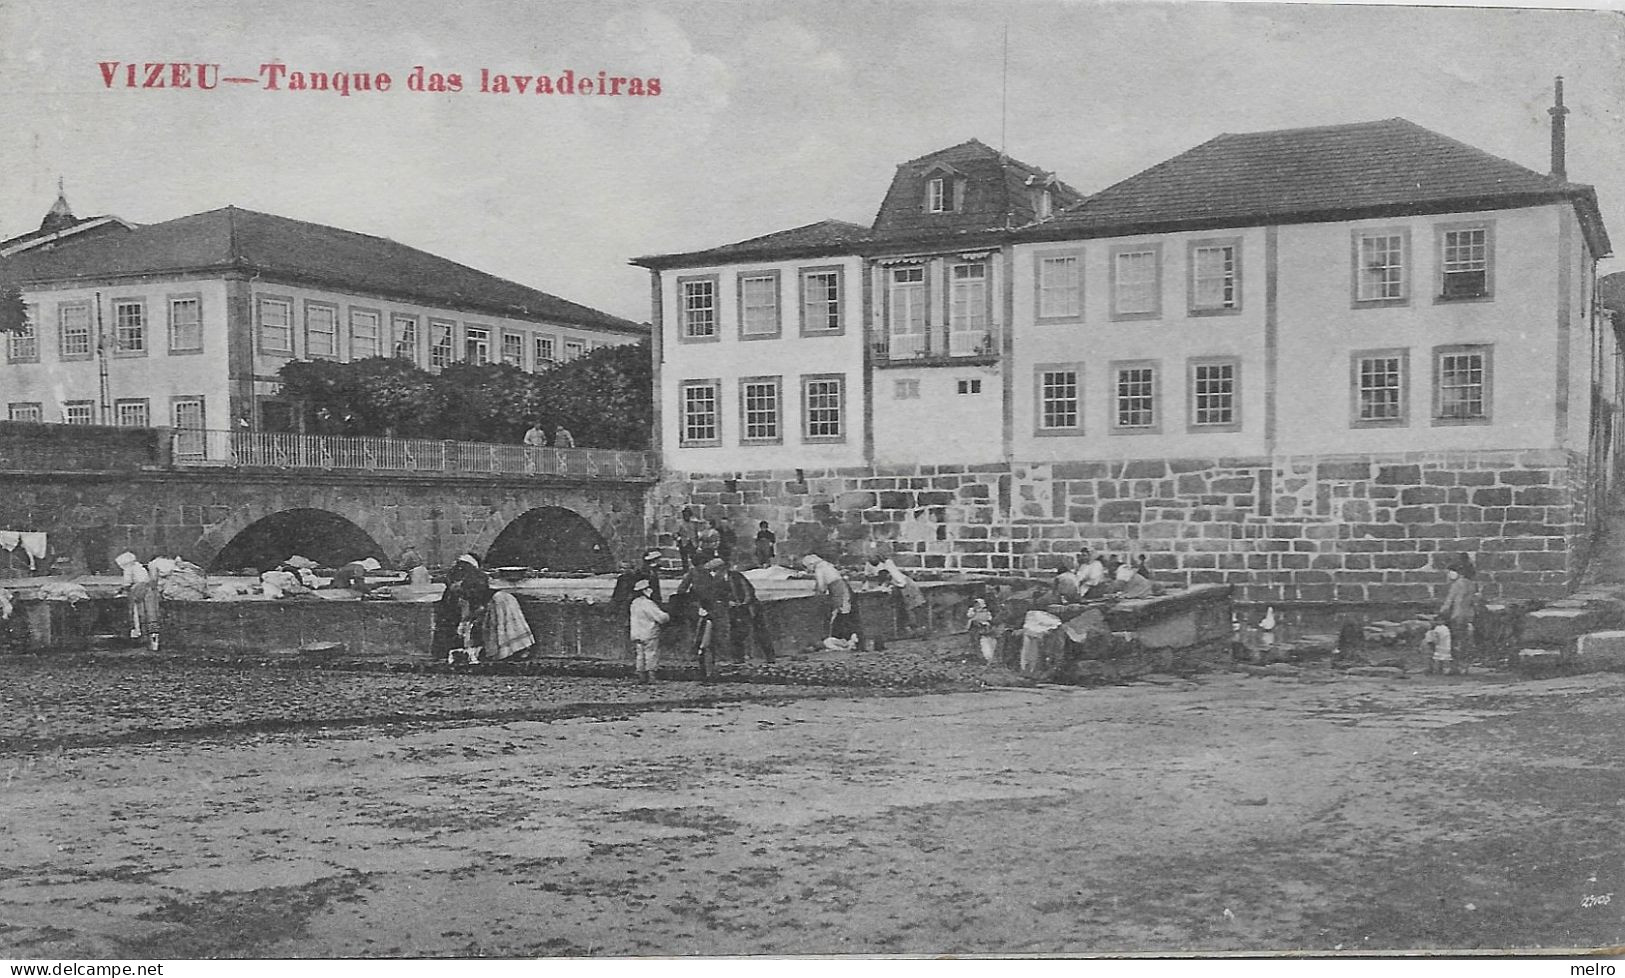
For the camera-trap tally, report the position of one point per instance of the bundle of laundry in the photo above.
(33, 544)
(180, 580)
(63, 591)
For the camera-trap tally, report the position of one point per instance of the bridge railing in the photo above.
(193, 447)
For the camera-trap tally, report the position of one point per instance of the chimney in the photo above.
(1559, 134)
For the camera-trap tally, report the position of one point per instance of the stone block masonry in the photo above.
(1365, 528)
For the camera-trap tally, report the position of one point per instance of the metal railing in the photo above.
(934, 343)
(192, 447)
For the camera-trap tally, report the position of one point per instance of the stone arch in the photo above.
(554, 537)
(326, 537)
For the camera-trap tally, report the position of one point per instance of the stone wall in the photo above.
(1294, 528)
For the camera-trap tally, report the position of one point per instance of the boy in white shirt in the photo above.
(646, 617)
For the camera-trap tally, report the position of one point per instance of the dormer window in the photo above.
(939, 196)
(1043, 205)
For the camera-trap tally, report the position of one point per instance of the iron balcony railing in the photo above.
(192, 447)
(933, 343)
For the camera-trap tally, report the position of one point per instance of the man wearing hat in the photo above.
(645, 619)
(707, 589)
(648, 570)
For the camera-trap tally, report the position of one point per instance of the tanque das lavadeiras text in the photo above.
(278, 77)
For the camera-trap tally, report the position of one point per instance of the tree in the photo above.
(605, 398)
(13, 310)
(1611, 289)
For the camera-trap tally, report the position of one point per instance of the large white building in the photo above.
(1305, 361)
(187, 322)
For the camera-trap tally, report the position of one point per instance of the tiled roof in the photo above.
(69, 228)
(998, 195)
(996, 192)
(1295, 173)
(829, 236)
(278, 247)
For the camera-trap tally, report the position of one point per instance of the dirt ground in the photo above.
(1229, 812)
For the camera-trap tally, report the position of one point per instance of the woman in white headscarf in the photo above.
(143, 597)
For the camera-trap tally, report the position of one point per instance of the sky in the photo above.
(771, 114)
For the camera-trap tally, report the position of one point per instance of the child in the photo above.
(766, 543)
(646, 617)
(1438, 641)
(979, 625)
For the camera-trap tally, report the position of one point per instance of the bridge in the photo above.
(229, 500)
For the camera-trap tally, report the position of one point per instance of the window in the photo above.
(73, 330)
(363, 333)
(759, 409)
(821, 300)
(1213, 395)
(573, 349)
(186, 415)
(321, 330)
(441, 345)
(1136, 281)
(971, 385)
(406, 338)
(905, 390)
(276, 326)
(1378, 382)
(513, 349)
(699, 309)
(1215, 285)
(24, 411)
(939, 195)
(1464, 261)
(78, 412)
(129, 327)
(1059, 410)
(131, 413)
(185, 324)
(823, 404)
(546, 352)
(1380, 262)
(22, 346)
(1461, 384)
(477, 346)
(759, 305)
(701, 423)
(1134, 397)
(907, 312)
(1060, 286)
(968, 310)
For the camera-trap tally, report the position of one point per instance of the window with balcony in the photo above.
(906, 313)
(968, 310)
